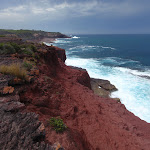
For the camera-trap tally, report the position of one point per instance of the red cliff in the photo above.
(94, 123)
(60, 53)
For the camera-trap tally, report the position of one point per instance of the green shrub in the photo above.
(33, 48)
(16, 47)
(11, 48)
(27, 65)
(2, 36)
(1, 46)
(36, 56)
(7, 48)
(27, 51)
(23, 46)
(57, 124)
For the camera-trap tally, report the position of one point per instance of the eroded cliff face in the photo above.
(94, 123)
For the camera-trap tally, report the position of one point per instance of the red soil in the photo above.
(94, 123)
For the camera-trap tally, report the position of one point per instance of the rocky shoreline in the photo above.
(54, 89)
(100, 87)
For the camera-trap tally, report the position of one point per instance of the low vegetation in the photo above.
(2, 35)
(29, 34)
(7, 48)
(14, 69)
(28, 65)
(58, 124)
(12, 48)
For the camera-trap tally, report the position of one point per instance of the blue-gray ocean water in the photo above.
(124, 60)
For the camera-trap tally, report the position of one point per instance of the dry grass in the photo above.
(14, 69)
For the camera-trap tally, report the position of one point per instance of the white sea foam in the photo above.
(83, 47)
(133, 91)
(108, 47)
(62, 41)
(47, 43)
(135, 72)
(75, 37)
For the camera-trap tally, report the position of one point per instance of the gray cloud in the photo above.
(65, 9)
(30, 11)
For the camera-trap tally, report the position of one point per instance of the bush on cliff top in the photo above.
(27, 65)
(2, 36)
(7, 48)
(11, 48)
(57, 124)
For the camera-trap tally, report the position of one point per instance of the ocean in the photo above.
(124, 60)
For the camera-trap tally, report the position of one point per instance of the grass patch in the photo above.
(58, 124)
(14, 69)
(27, 64)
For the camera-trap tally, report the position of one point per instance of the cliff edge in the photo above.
(52, 89)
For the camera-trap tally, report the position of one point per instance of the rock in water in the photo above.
(102, 87)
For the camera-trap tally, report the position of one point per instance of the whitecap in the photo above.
(75, 37)
(108, 47)
(83, 47)
(133, 91)
(135, 72)
(61, 41)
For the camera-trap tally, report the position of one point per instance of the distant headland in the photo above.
(32, 35)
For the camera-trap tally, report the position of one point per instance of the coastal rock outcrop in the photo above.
(102, 87)
(83, 77)
(31, 35)
(93, 122)
(19, 130)
(60, 53)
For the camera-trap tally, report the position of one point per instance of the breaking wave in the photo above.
(133, 90)
(131, 78)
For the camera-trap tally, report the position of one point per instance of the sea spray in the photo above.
(113, 60)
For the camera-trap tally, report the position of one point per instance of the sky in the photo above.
(77, 16)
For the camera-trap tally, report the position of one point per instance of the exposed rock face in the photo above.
(60, 53)
(19, 130)
(8, 90)
(102, 87)
(105, 84)
(94, 123)
(10, 39)
(83, 77)
(102, 123)
(4, 80)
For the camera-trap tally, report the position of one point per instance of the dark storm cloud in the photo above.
(86, 16)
